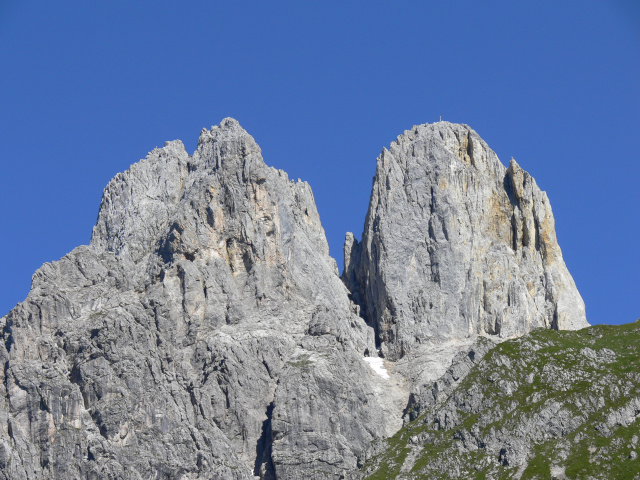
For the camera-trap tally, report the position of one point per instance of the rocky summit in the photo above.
(205, 332)
(455, 245)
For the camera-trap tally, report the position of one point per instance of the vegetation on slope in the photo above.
(552, 404)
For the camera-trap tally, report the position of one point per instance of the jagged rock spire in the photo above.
(204, 333)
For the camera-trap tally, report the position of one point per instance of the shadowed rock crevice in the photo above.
(264, 463)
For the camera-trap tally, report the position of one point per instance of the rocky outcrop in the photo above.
(204, 333)
(455, 245)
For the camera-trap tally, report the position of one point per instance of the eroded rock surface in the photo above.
(455, 245)
(204, 333)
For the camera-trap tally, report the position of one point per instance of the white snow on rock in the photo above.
(377, 365)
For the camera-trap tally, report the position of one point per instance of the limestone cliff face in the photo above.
(204, 333)
(456, 245)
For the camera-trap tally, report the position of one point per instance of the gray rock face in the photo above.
(456, 245)
(427, 395)
(204, 333)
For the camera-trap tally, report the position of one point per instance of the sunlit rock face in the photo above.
(204, 333)
(455, 245)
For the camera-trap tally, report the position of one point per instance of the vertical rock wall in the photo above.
(204, 333)
(456, 245)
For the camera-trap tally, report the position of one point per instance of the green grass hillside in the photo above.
(548, 405)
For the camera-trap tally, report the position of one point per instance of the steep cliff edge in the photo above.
(204, 333)
(455, 245)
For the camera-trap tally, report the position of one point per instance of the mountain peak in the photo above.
(205, 331)
(228, 127)
(455, 245)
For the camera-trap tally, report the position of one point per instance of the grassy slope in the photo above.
(516, 384)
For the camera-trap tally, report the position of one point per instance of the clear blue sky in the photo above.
(87, 88)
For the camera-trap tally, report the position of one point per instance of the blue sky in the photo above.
(87, 88)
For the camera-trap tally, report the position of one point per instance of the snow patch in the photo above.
(377, 365)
